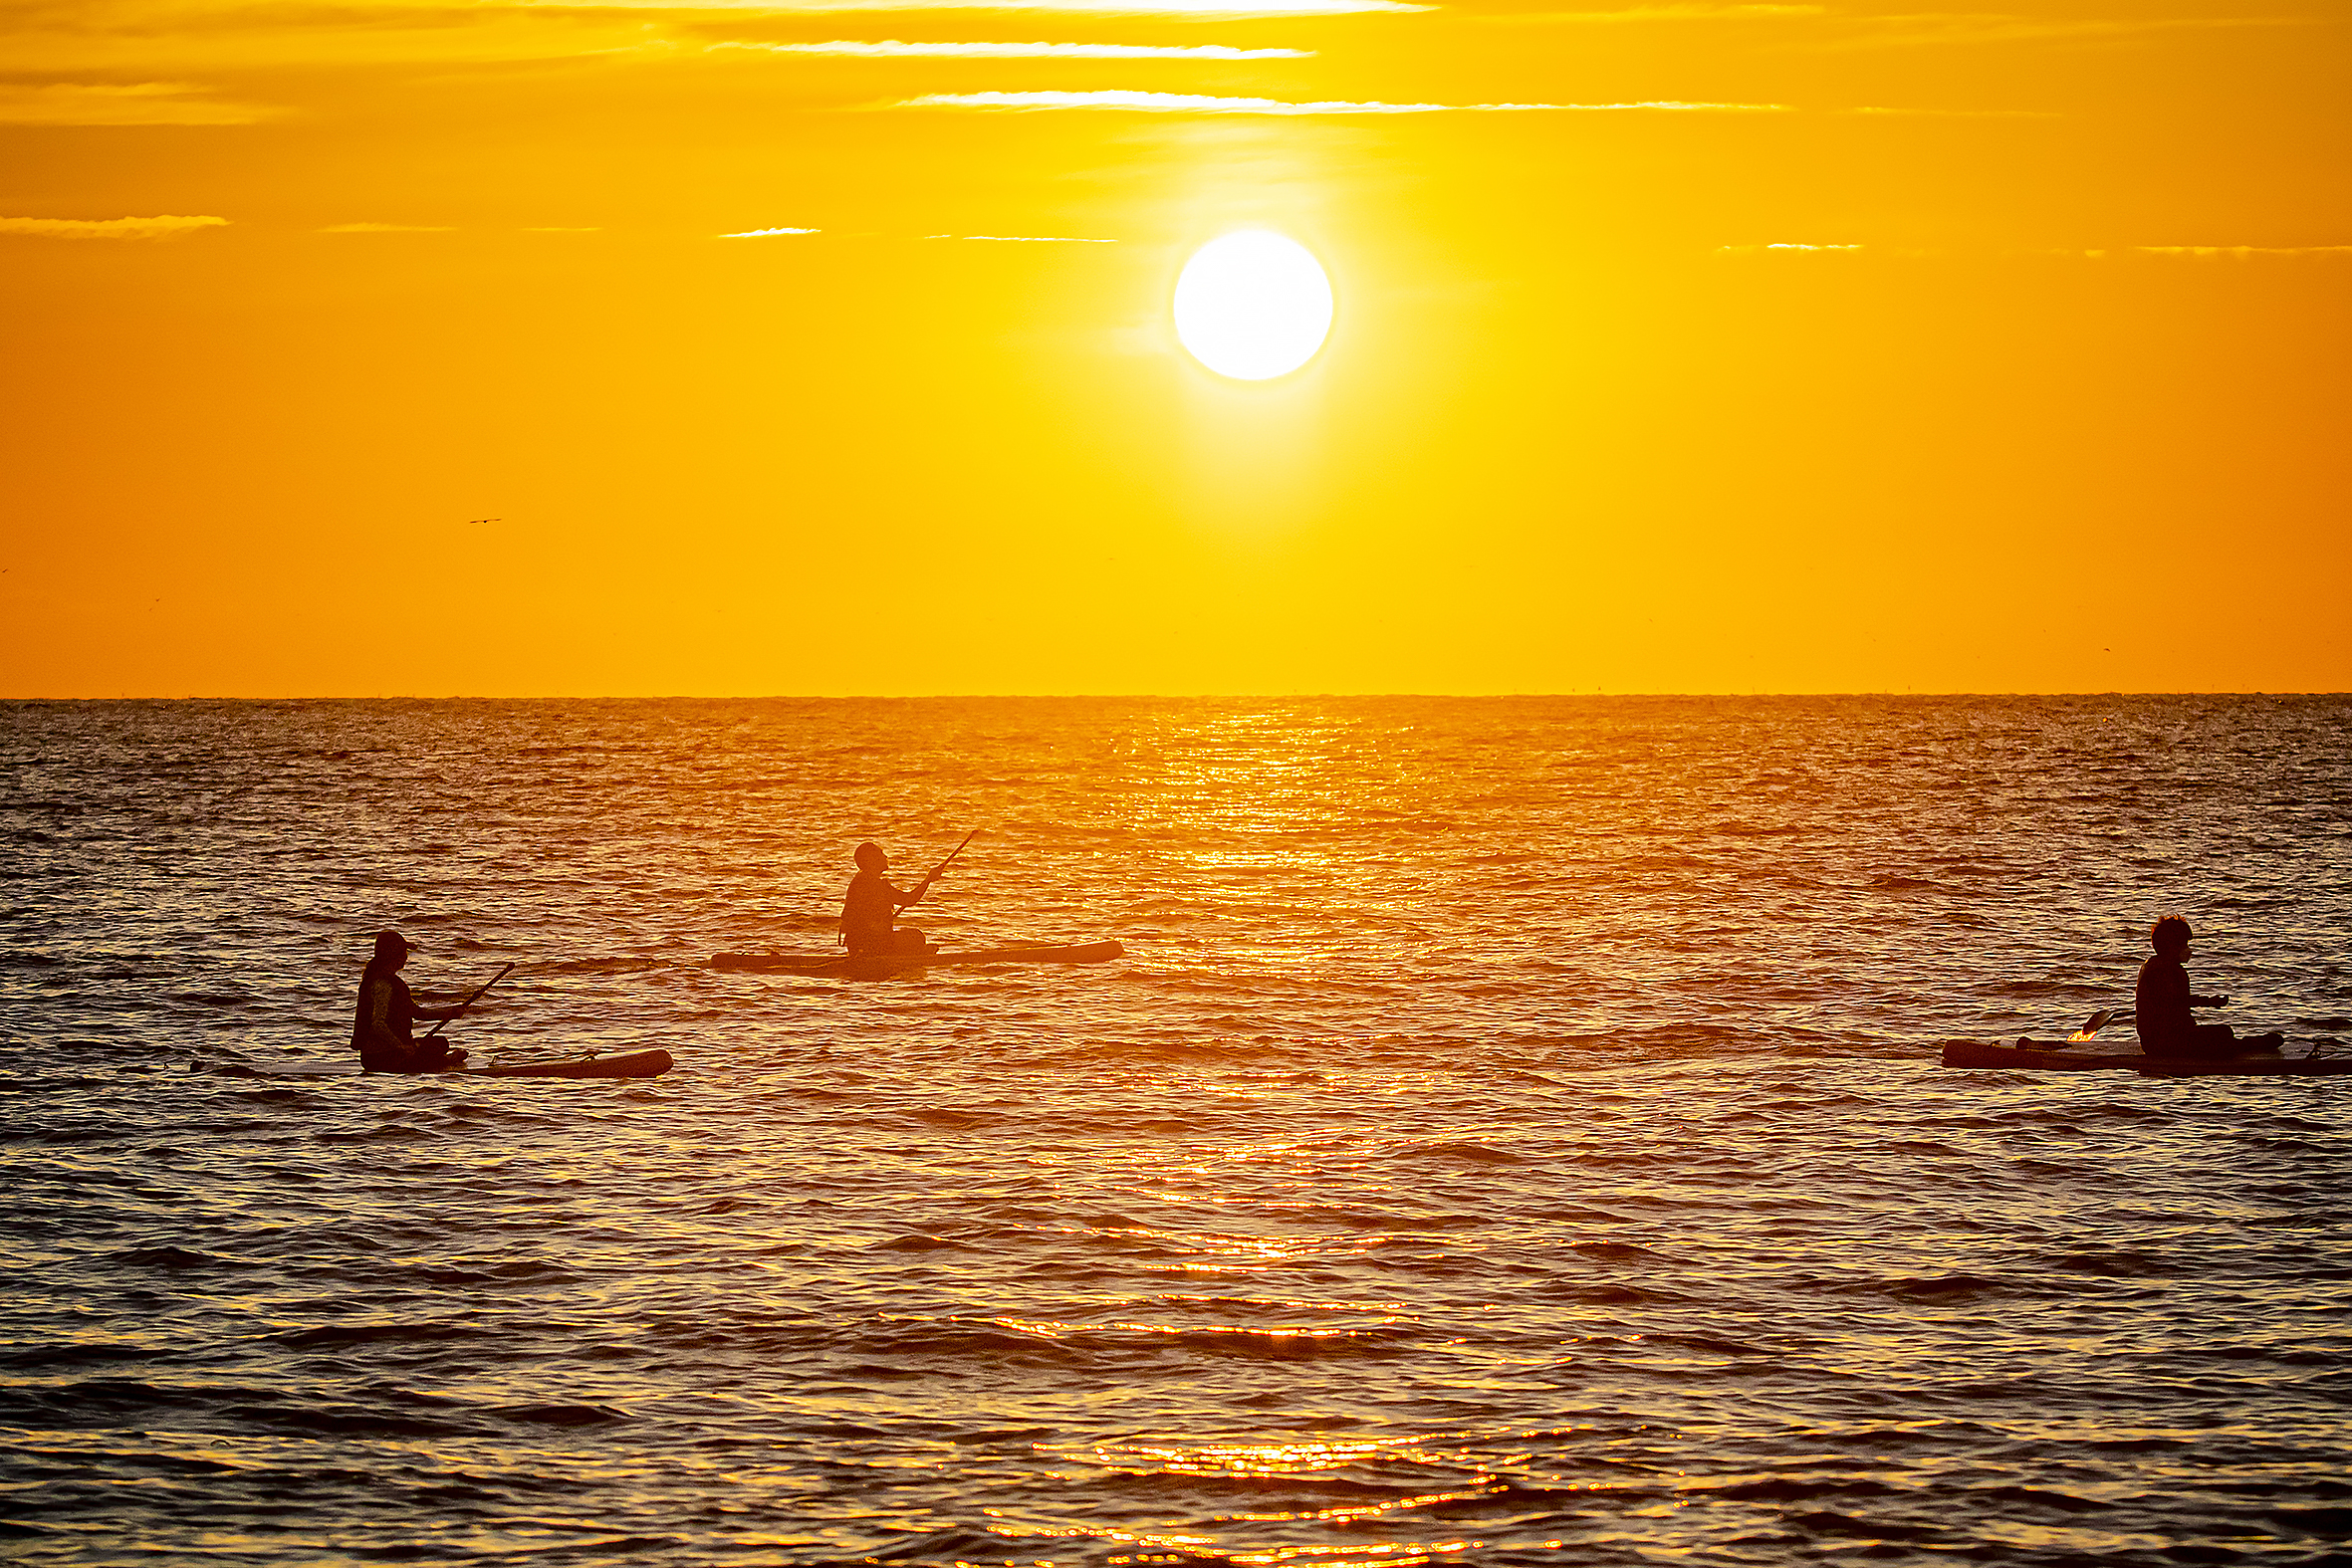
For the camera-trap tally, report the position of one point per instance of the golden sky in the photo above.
(438, 348)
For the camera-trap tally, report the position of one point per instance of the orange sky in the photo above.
(1758, 347)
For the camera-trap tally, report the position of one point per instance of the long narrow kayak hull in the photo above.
(638, 1064)
(2036, 1057)
(881, 965)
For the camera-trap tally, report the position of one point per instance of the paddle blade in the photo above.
(2091, 1026)
(2098, 1021)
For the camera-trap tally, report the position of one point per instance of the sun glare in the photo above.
(1252, 305)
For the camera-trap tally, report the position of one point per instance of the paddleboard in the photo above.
(842, 966)
(2054, 1056)
(637, 1064)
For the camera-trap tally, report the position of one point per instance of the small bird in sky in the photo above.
(470, 521)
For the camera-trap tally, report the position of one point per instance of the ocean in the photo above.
(1514, 1135)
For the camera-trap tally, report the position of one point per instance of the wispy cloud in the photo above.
(1204, 103)
(124, 62)
(123, 103)
(2231, 252)
(164, 227)
(891, 49)
(1655, 13)
(1184, 8)
(387, 228)
(1996, 27)
(2242, 252)
(766, 234)
(1958, 113)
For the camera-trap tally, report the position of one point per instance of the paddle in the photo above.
(470, 1001)
(2098, 1021)
(924, 886)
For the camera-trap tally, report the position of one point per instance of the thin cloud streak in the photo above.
(1655, 13)
(2241, 252)
(164, 226)
(90, 46)
(1202, 104)
(1929, 27)
(1197, 9)
(1958, 113)
(108, 39)
(124, 103)
(765, 234)
(2193, 251)
(892, 49)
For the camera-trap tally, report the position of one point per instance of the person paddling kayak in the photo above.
(387, 1013)
(870, 910)
(2162, 1007)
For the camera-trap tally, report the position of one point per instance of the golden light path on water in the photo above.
(1510, 1137)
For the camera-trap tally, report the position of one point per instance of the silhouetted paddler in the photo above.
(387, 1015)
(2162, 1004)
(870, 910)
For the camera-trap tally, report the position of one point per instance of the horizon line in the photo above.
(1197, 696)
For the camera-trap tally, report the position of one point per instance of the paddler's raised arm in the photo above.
(908, 900)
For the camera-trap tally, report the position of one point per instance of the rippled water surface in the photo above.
(1512, 1136)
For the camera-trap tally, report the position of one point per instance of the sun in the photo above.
(1252, 305)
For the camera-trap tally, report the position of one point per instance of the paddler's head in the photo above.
(869, 857)
(2170, 936)
(391, 950)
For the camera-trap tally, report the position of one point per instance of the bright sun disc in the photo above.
(1252, 306)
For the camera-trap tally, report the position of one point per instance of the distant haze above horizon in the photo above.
(636, 349)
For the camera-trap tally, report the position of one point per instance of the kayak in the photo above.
(877, 966)
(638, 1064)
(2037, 1057)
